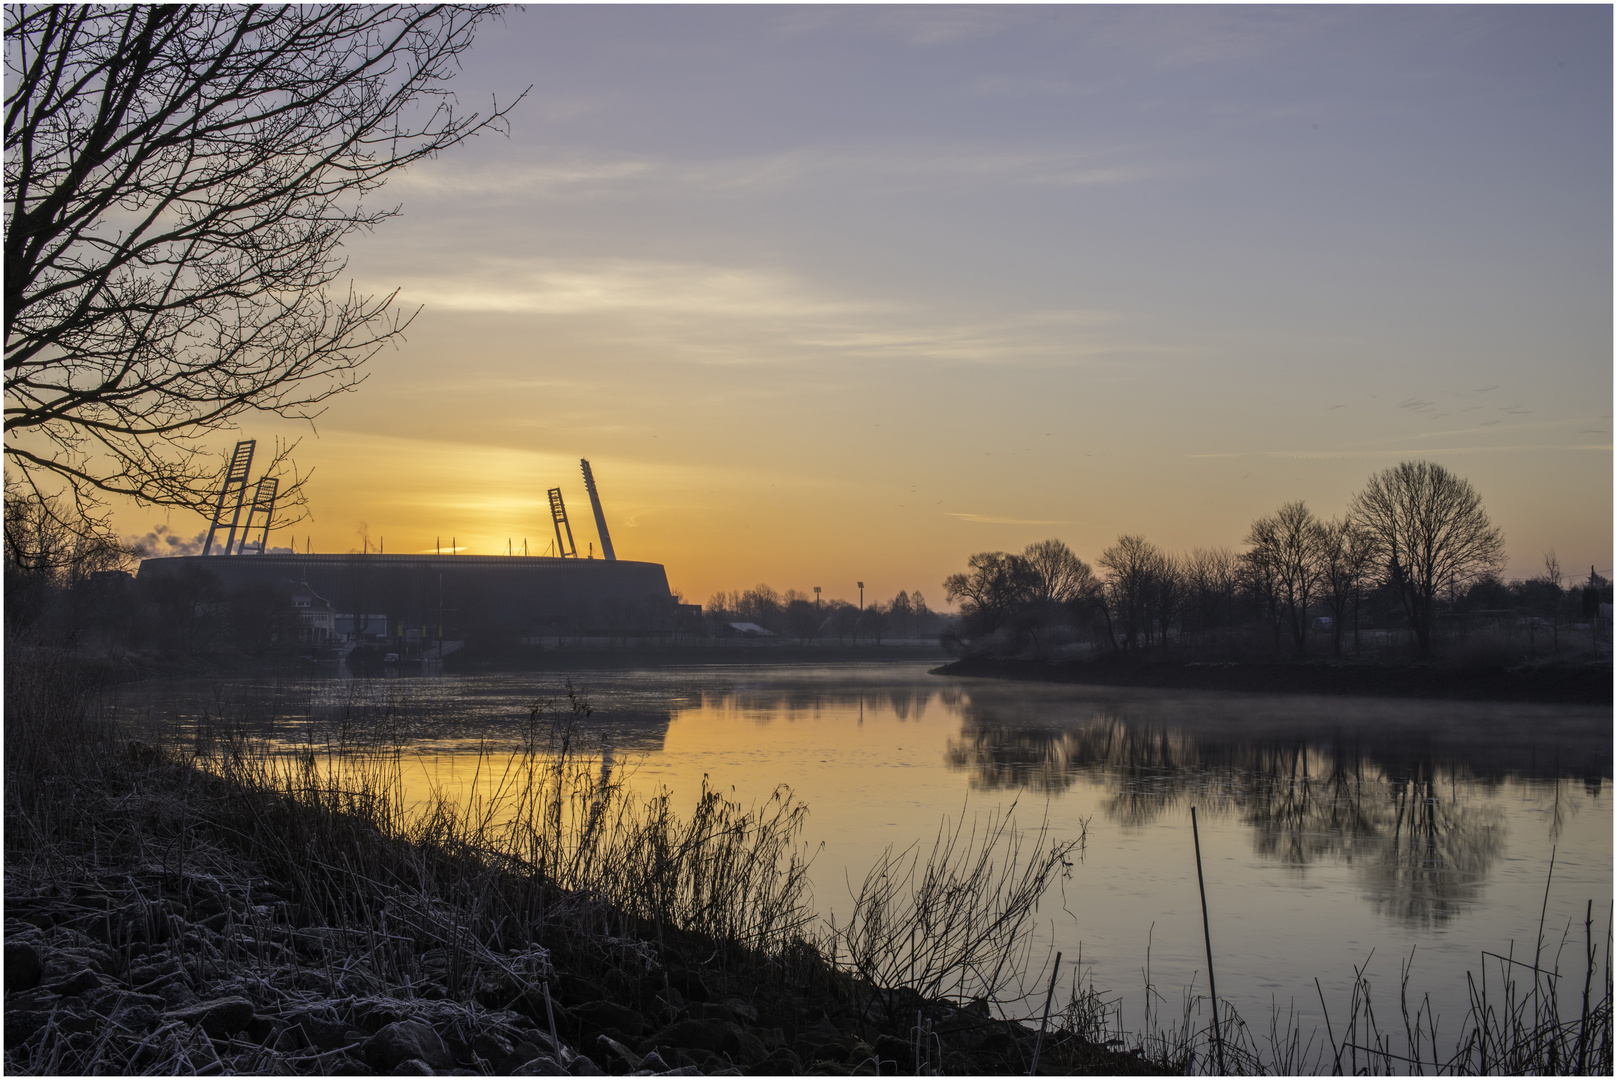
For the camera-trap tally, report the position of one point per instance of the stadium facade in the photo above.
(454, 595)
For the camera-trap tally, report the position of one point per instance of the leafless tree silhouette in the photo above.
(1210, 586)
(994, 586)
(1060, 576)
(1285, 555)
(1343, 560)
(1135, 569)
(1430, 533)
(179, 182)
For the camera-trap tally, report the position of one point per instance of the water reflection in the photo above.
(429, 715)
(1406, 793)
(1420, 850)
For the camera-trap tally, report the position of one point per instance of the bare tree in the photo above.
(1210, 580)
(1132, 565)
(1259, 578)
(1555, 594)
(760, 604)
(179, 182)
(1059, 576)
(993, 587)
(1430, 533)
(1343, 559)
(1287, 544)
(1166, 594)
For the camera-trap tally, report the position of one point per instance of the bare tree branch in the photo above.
(179, 183)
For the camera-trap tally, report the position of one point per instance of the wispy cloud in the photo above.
(730, 314)
(596, 286)
(571, 174)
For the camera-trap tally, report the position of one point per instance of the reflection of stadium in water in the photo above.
(421, 714)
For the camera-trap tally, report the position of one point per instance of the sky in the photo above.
(833, 294)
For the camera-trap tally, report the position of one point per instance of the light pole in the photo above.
(816, 598)
(861, 596)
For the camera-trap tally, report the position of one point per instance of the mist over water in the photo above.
(1336, 832)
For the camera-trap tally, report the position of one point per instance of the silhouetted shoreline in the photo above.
(1551, 683)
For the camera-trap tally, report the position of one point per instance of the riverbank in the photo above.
(206, 908)
(1548, 682)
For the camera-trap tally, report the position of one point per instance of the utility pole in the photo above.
(861, 596)
(816, 598)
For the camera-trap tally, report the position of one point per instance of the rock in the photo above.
(137, 1017)
(412, 1067)
(109, 999)
(860, 1053)
(669, 1002)
(713, 1035)
(688, 983)
(37, 998)
(79, 982)
(743, 1010)
(219, 1018)
(900, 1050)
(347, 1066)
(612, 1046)
(703, 1061)
(712, 1010)
(177, 995)
(320, 1031)
(780, 1062)
(403, 1040)
(543, 1065)
(600, 1015)
(144, 975)
(22, 1025)
(570, 987)
(491, 1047)
(654, 1063)
(23, 966)
(583, 1066)
(68, 960)
(523, 1053)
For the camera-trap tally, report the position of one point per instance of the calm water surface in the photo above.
(1335, 832)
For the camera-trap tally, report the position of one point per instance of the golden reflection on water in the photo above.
(1402, 794)
(1334, 830)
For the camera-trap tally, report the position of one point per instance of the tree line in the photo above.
(794, 614)
(1413, 547)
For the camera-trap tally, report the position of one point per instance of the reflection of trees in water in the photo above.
(1439, 852)
(791, 703)
(1420, 853)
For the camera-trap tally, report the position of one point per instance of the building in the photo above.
(455, 596)
(316, 621)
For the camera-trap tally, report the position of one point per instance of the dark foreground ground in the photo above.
(1553, 683)
(142, 970)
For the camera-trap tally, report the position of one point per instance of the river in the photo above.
(1336, 833)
